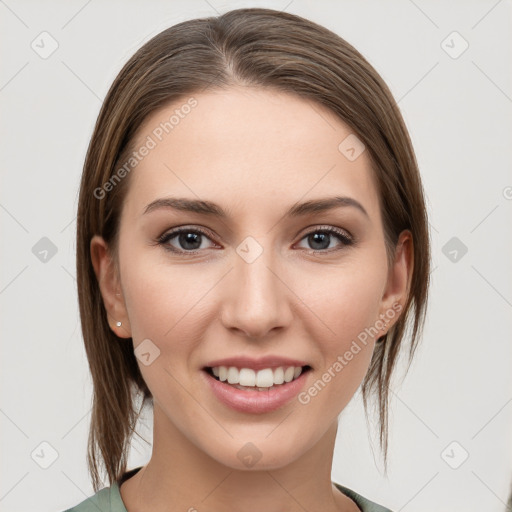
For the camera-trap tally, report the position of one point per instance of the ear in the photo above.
(399, 281)
(109, 283)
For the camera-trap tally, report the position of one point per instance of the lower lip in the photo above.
(255, 401)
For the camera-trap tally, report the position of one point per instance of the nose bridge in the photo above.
(257, 301)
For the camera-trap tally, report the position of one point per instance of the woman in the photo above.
(252, 241)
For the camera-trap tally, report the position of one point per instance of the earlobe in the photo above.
(109, 285)
(399, 280)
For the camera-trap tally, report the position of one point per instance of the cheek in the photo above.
(346, 305)
(163, 307)
(159, 295)
(155, 304)
(170, 306)
(346, 300)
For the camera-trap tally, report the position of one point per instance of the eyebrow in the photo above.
(211, 209)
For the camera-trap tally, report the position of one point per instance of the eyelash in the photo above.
(340, 235)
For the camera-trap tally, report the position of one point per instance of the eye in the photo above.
(188, 238)
(321, 237)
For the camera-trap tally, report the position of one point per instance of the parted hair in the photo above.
(250, 47)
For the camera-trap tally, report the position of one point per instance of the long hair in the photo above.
(256, 47)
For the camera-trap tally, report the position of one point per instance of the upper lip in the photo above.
(270, 361)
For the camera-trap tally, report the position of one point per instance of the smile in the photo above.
(255, 392)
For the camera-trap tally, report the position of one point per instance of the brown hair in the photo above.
(252, 47)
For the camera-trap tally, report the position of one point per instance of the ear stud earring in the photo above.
(118, 324)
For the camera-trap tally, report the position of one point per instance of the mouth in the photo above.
(256, 390)
(247, 379)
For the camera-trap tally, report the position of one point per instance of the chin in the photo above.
(257, 455)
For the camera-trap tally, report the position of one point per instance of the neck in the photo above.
(184, 475)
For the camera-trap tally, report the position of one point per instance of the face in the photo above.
(302, 286)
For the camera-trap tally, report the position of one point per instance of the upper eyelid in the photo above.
(185, 229)
(206, 231)
(333, 230)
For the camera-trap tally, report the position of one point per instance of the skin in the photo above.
(256, 153)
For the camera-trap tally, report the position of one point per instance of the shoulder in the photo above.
(105, 500)
(363, 503)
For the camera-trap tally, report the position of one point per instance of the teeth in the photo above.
(288, 374)
(279, 375)
(265, 378)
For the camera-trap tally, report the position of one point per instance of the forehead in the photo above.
(252, 147)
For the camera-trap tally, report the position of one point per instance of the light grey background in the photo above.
(458, 111)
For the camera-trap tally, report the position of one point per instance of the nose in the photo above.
(256, 299)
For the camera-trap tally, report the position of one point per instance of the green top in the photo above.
(109, 499)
